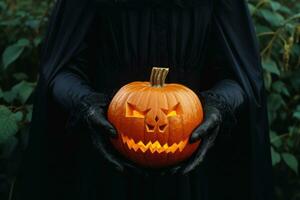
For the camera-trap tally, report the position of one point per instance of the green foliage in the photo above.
(278, 29)
(20, 37)
(13, 52)
(8, 123)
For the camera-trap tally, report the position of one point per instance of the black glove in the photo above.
(220, 105)
(87, 110)
(91, 111)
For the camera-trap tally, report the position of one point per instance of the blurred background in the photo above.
(22, 24)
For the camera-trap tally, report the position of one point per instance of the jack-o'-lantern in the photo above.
(154, 120)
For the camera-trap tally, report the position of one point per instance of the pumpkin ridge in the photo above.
(192, 95)
(181, 118)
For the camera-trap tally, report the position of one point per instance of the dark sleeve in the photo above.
(226, 92)
(72, 82)
(71, 87)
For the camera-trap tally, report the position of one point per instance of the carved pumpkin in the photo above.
(155, 120)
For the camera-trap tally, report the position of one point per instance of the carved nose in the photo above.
(156, 119)
(160, 127)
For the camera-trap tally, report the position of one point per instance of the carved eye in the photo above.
(132, 111)
(172, 112)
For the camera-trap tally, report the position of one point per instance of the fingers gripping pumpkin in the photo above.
(155, 120)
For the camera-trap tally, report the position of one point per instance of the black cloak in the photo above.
(237, 167)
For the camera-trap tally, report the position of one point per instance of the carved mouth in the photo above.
(153, 146)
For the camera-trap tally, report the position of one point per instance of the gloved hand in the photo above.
(92, 112)
(218, 116)
(207, 133)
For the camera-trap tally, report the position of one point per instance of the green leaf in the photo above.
(270, 66)
(275, 101)
(280, 87)
(18, 116)
(13, 52)
(9, 96)
(32, 23)
(296, 113)
(267, 80)
(37, 41)
(293, 131)
(8, 124)
(3, 5)
(275, 157)
(275, 5)
(20, 91)
(263, 29)
(275, 139)
(23, 90)
(23, 42)
(291, 161)
(285, 10)
(273, 18)
(251, 8)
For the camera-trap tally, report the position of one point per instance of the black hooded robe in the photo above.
(125, 39)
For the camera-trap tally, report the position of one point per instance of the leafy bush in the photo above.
(20, 36)
(278, 29)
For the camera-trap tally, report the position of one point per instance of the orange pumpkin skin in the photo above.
(154, 123)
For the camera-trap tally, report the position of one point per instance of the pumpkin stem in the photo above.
(158, 76)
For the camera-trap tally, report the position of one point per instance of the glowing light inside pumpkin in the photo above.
(132, 111)
(137, 114)
(172, 113)
(153, 147)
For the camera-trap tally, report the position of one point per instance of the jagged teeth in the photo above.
(153, 147)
